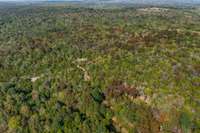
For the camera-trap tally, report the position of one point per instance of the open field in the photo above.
(91, 70)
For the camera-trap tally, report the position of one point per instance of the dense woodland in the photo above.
(71, 69)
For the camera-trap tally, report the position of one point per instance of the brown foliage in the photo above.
(118, 88)
(41, 44)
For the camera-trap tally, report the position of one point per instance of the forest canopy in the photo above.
(75, 68)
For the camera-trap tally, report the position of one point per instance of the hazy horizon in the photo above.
(133, 1)
(107, 2)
